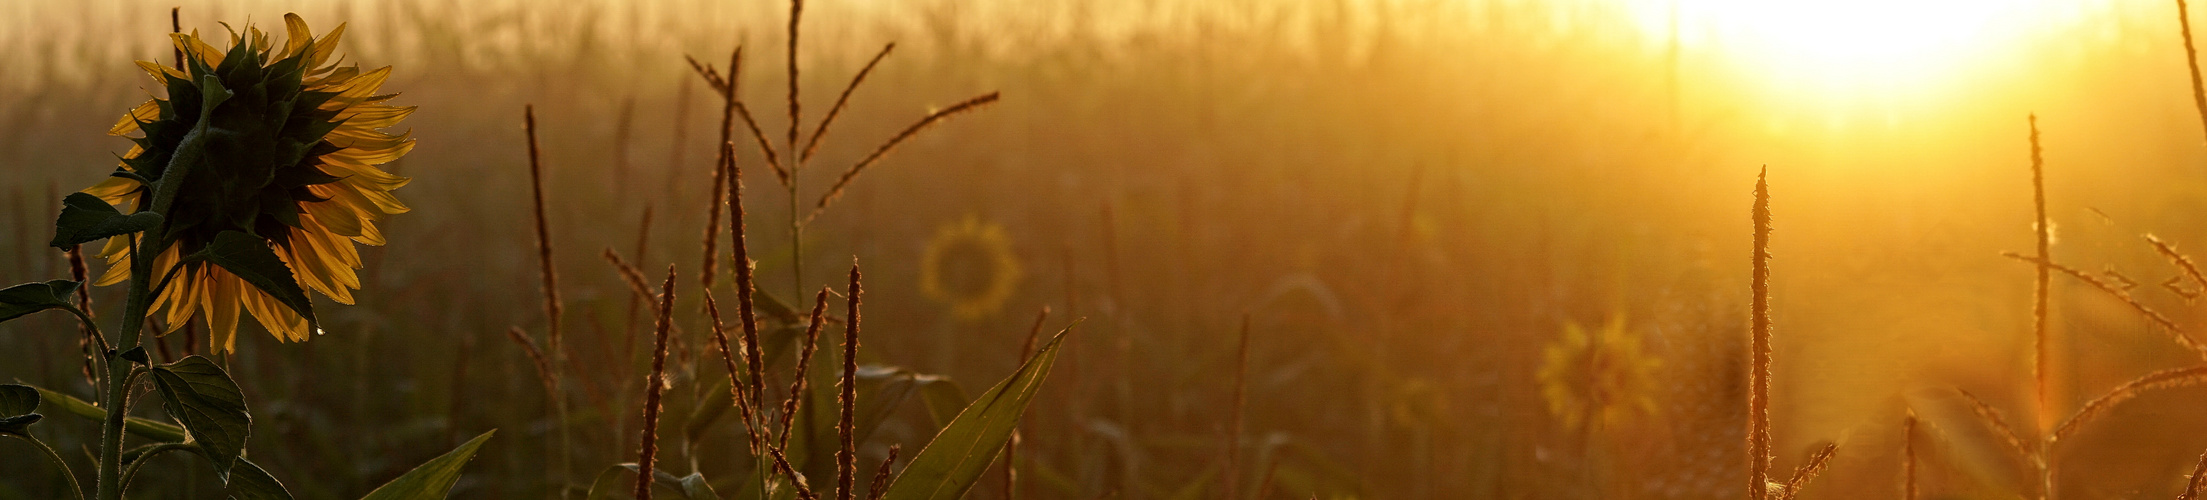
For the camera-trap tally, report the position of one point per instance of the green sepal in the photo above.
(201, 395)
(17, 301)
(86, 218)
(18, 408)
(431, 480)
(128, 174)
(249, 258)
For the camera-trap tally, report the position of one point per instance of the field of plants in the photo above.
(1078, 249)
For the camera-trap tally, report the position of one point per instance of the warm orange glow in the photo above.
(1854, 48)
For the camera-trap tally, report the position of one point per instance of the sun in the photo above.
(1859, 46)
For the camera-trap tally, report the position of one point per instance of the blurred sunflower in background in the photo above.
(1597, 378)
(289, 157)
(969, 266)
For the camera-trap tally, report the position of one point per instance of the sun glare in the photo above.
(1865, 47)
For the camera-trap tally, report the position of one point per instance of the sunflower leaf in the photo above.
(18, 408)
(86, 218)
(431, 480)
(17, 301)
(249, 482)
(203, 397)
(950, 464)
(249, 258)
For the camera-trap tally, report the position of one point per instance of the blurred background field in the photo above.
(1413, 200)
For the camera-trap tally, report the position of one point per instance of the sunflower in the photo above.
(969, 266)
(1602, 376)
(288, 157)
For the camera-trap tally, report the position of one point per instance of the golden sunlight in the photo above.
(1853, 48)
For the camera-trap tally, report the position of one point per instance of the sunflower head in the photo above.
(271, 140)
(1599, 378)
(970, 267)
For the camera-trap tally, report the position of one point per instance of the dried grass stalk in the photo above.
(846, 458)
(1992, 418)
(2178, 259)
(552, 305)
(652, 389)
(2198, 479)
(812, 145)
(844, 182)
(2175, 332)
(1758, 376)
(751, 429)
(536, 358)
(2191, 62)
(881, 476)
(2165, 379)
(804, 363)
(1908, 456)
(2040, 294)
(1808, 471)
(1233, 436)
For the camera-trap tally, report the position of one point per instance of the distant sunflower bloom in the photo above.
(289, 157)
(1602, 376)
(969, 266)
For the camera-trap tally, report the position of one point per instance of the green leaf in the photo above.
(149, 429)
(944, 398)
(249, 482)
(950, 464)
(86, 218)
(17, 301)
(18, 407)
(249, 258)
(201, 395)
(431, 480)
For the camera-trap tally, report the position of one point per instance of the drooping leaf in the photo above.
(86, 218)
(249, 258)
(249, 482)
(203, 397)
(950, 464)
(18, 408)
(431, 480)
(149, 429)
(17, 301)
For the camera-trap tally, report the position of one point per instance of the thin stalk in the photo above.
(74, 486)
(1011, 446)
(1758, 375)
(846, 458)
(140, 463)
(1233, 439)
(652, 390)
(2041, 305)
(796, 160)
(553, 307)
(2191, 61)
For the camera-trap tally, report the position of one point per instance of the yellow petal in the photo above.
(119, 191)
(324, 47)
(222, 302)
(297, 36)
(149, 111)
